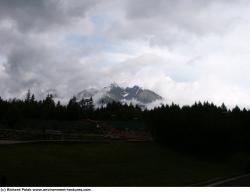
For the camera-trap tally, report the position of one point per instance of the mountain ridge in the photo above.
(135, 95)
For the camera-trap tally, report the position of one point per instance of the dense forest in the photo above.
(14, 111)
(202, 127)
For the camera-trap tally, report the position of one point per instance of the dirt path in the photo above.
(8, 142)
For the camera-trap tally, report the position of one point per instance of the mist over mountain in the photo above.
(135, 95)
(108, 94)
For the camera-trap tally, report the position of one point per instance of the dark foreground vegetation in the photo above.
(31, 119)
(201, 128)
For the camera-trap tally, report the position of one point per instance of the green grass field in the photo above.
(107, 164)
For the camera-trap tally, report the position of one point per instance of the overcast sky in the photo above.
(185, 50)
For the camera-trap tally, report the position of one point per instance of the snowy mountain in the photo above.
(113, 92)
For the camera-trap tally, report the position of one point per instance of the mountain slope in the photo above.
(114, 92)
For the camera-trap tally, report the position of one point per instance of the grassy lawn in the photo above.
(107, 164)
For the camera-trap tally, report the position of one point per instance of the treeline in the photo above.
(201, 128)
(14, 111)
(118, 111)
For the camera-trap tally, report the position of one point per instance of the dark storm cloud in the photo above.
(43, 14)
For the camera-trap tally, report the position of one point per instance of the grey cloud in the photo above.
(166, 22)
(43, 14)
(31, 62)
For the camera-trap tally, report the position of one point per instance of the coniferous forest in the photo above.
(200, 128)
